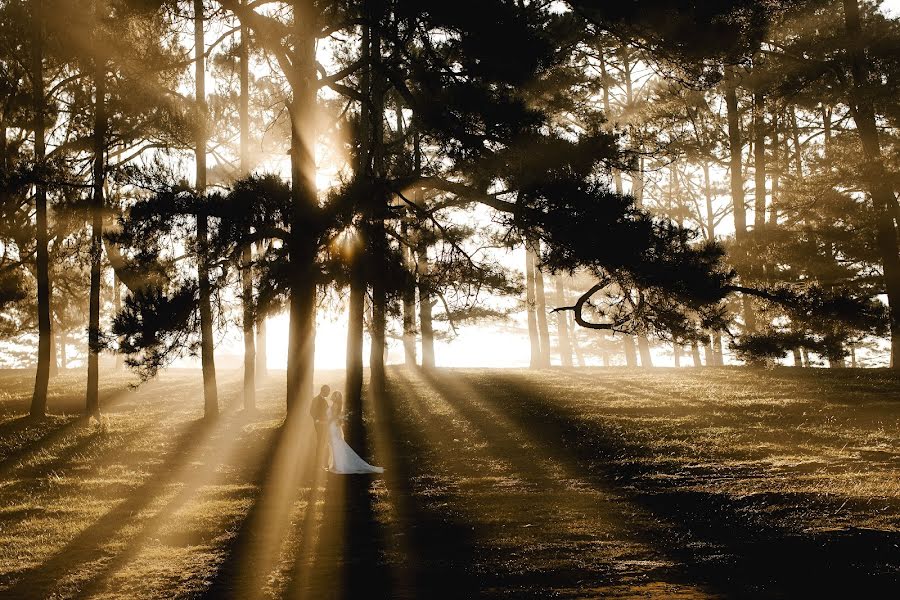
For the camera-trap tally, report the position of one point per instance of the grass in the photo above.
(695, 483)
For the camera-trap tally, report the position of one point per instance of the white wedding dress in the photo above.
(344, 461)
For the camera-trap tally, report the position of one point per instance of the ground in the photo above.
(695, 483)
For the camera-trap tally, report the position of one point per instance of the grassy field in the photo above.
(696, 483)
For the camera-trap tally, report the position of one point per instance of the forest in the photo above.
(617, 186)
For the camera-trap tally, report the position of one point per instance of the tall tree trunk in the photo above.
(357, 268)
(92, 403)
(798, 358)
(629, 350)
(207, 356)
(708, 196)
(709, 355)
(42, 376)
(717, 350)
(425, 303)
(562, 327)
(776, 171)
(304, 197)
(695, 354)
(262, 359)
(247, 254)
(117, 306)
(883, 200)
(759, 161)
(736, 150)
(676, 348)
(541, 309)
(644, 349)
(378, 234)
(530, 306)
(409, 303)
(573, 331)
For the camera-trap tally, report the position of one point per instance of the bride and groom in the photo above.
(327, 414)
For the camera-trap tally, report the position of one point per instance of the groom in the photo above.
(319, 412)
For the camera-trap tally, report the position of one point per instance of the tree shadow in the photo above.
(39, 581)
(720, 541)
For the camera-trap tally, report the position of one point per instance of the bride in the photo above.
(344, 461)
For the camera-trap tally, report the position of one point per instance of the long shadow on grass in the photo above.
(243, 572)
(185, 494)
(39, 581)
(56, 429)
(758, 557)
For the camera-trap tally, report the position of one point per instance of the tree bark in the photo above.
(304, 197)
(676, 352)
(735, 147)
(541, 309)
(42, 376)
(207, 353)
(863, 111)
(562, 327)
(377, 231)
(92, 400)
(117, 306)
(644, 349)
(759, 162)
(262, 359)
(409, 303)
(573, 331)
(695, 354)
(425, 303)
(629, 350)
(358, 287)
(247, 254)
(530, 307)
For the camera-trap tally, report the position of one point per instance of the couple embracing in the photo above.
(327, 414)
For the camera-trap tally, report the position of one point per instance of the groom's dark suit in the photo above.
(319, 412)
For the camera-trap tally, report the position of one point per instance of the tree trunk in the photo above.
(677, 354)
(695, 354)
(357, 269)
(409, 303)
(644, 349)
(262, 359)
(207, 357)
(776, 173)
(717, 350)
(735, 146)
(798, 358)
(708, 196)
(425, 325)
(117, 306)
(377, 231)
(630, 351)
(562, 327)
(354, 359)
(759, 162)
(805, 354)
(541, 310)
(883, 200)
(709, 355)
(573, 330)
(533, 335)
(304, 197)
(247, 254)
(92, 403)
(42, 376)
